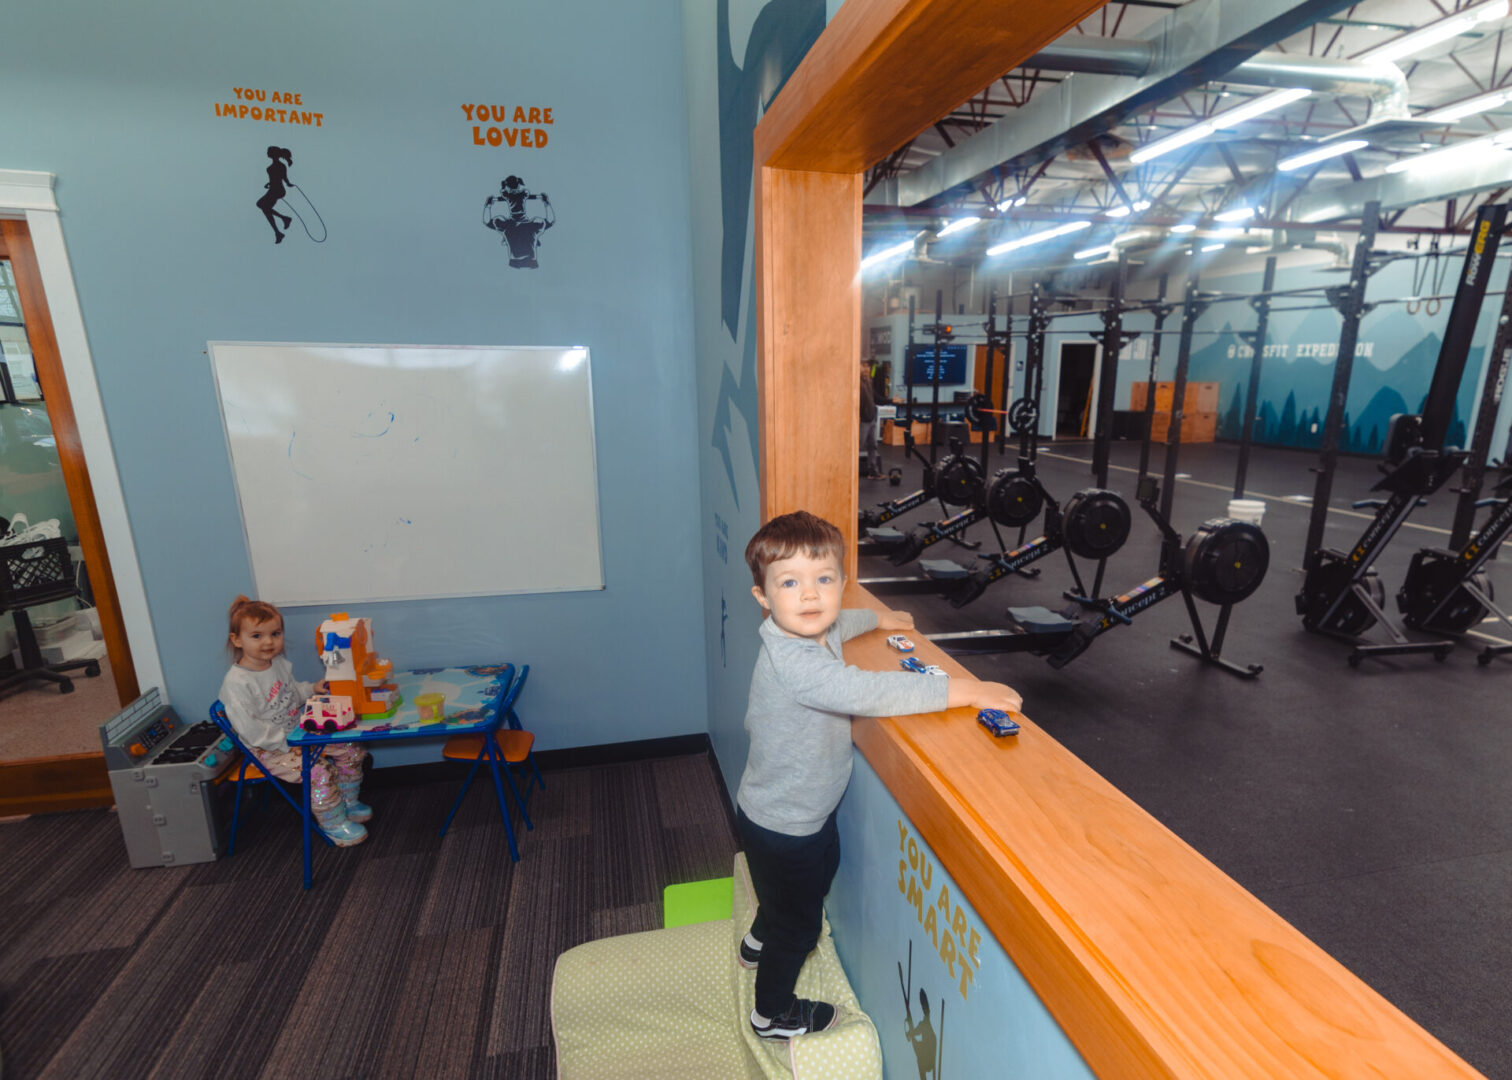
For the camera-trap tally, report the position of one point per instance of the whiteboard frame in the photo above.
(220, 405)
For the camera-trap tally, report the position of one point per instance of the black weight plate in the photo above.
(978, 414)
(1095, 523)
(1022, 415)
(1430, 578)
(958, 480)
(1012, 499)
(1226, 560)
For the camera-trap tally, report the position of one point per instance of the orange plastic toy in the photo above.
(352, 664)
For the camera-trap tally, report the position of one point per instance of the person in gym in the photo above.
(869, 423)
(803, 697)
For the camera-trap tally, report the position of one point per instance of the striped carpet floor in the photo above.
(412, 956)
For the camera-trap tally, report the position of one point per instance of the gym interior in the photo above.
(1152, 356)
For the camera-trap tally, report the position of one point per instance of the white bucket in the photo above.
(1246, 510)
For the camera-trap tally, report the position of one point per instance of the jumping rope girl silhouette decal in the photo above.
(280, 159)
(506, 212)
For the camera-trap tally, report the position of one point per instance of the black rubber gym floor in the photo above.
(1369, 807)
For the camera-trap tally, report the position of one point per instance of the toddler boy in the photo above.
(802, 699)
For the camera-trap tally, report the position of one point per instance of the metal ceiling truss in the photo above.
(1195, 44)
(1168, 76)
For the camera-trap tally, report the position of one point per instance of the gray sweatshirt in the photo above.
(799, 715)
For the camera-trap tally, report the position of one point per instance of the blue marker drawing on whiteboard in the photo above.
(360, 434)
(296, 468)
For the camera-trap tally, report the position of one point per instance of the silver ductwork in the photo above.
(1383, 83)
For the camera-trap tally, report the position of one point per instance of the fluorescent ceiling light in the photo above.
(1184, 227)
(1130, 237)
(1322, 153)
(1093, 252)
(1125, 210)
(1211, 247)
(887, 253)
(1008, 204)
(1039, 237)
(1239, 213)
(1228, 232)
(957, 225)
(1433, 33)
(1469, 107)
(1248, 111)
(1259, 106)
(1440, 156)
(1153, 150)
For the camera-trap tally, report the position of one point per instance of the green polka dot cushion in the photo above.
(847, 1051)
(676, 1003)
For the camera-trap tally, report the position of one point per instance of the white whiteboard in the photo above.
(392, 472)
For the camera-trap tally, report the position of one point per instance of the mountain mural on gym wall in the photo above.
(1393, 368)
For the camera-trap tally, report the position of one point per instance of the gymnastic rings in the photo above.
(1432, 306)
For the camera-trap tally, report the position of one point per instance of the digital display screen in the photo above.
(952, 364)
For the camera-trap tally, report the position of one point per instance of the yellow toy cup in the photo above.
(432, 707)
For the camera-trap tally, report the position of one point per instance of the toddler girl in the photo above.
(264, 702)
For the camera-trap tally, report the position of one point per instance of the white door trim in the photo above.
(29, 195)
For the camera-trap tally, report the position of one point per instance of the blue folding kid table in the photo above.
(473, 695)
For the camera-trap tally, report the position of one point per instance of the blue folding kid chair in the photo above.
(497, 746)
(249, 773)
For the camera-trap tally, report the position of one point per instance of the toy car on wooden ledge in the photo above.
(997, 722)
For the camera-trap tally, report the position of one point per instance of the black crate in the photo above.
(34, 573)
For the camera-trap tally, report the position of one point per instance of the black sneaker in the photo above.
(802, 1017)
(750, 956)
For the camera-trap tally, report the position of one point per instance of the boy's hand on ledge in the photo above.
(984, 695)
(894, 620)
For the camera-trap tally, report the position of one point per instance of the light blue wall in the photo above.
(168, 250)
(1394, 365)
(902, 924)
(738, 53)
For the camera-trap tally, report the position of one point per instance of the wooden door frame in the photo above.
(28, 197)
(16, 247)
(31, 239)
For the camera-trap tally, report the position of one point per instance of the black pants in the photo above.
(792, 876)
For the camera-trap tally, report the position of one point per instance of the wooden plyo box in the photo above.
(1201, 397)
(1196, 427)
(892, 432)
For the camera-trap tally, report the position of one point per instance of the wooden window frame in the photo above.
(1152, 961)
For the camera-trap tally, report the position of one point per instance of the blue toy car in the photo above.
(913, 663)
(997, 722)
